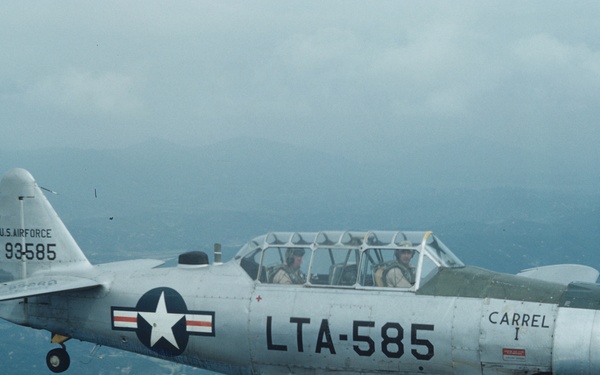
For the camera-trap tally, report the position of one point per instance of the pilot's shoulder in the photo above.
(389, 265)
(279, 274)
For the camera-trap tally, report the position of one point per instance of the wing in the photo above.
(47, 284)
(35, 286)
(562, 273)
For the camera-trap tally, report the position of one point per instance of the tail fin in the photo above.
(33, 239)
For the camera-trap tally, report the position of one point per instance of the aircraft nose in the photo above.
(576, 348)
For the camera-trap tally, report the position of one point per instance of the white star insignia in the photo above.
(162, 322)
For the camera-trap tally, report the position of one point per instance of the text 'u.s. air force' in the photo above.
(36, 246)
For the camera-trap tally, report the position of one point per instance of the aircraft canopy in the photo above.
(346, 258)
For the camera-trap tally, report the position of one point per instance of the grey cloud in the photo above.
(82, 92)
(334, 75)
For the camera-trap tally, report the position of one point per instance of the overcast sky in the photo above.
(331, 74)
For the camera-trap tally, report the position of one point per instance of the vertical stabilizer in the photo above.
(33, 239)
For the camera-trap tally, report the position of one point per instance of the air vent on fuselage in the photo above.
(193, 259)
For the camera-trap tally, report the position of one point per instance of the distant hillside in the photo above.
(164, 199)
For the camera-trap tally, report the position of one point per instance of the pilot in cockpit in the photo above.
(400, 273)
(290, 273)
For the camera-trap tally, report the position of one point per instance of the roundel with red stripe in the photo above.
(162, 321)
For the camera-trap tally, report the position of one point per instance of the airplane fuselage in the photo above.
(248, 327)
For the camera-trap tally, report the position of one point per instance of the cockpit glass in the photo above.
(441, 254)
(334, 266)
(392, 259)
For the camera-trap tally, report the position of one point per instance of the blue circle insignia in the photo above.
(162, 321)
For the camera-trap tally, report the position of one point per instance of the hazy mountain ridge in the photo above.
(245, 165)
(158, 197)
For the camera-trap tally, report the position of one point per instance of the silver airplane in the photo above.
(352, 302)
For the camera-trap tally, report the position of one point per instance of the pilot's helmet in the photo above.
(292, 252)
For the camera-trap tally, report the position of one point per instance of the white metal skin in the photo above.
(228, 318)
(576, 341)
